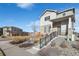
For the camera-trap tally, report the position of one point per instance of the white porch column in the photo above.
(70, 30)
(51, 27)
(70, 23)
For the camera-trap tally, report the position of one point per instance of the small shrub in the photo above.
(19, 39)
(17, 42)
(35, 41)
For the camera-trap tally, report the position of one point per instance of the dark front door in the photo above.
(59, 30)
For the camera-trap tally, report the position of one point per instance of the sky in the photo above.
(24, 15)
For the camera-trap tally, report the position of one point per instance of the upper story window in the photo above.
(47, 18)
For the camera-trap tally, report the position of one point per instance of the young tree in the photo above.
(34, 30)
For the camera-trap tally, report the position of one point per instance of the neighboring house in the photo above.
(25, 34)
(11, 31)
(60, 22)
(1, 31)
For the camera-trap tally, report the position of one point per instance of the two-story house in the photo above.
(11, 31)
(60, 22)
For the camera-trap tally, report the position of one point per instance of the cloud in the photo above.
(77, 11)
(31, 24)
(24, 5)
(37, 23)
(76, 25)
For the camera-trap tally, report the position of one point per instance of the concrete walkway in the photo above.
(13, 50)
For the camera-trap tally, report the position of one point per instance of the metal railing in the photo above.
(46, 39)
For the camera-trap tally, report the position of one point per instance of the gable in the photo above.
(48, 12)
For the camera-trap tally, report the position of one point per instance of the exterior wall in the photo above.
(55, 24)
(58, 26)
(64, 14)
(62, 27)
(5, 31)
(44, 23)
(1, 31)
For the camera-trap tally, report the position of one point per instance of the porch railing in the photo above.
(46, 39)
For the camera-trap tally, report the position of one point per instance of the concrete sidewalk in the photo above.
(13, 50)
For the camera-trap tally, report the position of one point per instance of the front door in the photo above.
(59, 30)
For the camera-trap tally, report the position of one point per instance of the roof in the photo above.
(11, 27)
(68, 10)
(49, 10)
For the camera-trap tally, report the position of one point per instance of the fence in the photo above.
(46, 39)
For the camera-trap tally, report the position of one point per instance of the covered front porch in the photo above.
(63, 26)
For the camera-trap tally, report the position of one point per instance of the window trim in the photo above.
(47, 18)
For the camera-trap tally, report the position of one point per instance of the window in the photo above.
(47, 18)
